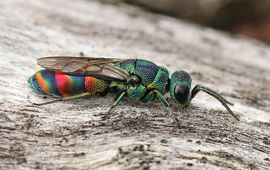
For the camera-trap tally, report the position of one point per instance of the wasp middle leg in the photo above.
(117, 100)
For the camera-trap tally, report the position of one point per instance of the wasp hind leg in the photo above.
(211, 92)
(48, 102)
(62, 99)
(117, 99)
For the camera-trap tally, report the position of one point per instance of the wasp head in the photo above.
(180, 85)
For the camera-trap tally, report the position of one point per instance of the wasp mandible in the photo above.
(135, 79)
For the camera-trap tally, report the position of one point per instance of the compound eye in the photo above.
(181, 93)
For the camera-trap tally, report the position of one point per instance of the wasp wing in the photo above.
(103, 68)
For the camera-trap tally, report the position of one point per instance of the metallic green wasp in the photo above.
(134, 79)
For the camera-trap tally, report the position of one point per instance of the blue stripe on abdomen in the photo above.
(49, 78)
(77, 85)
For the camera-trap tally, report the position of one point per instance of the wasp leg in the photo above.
(165, 104)
(117, 99)
(211, 92)
(49, 102)
(148, 97)
(62, 99)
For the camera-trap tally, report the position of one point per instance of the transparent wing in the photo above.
(103, 68)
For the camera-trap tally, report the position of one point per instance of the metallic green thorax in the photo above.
(151, 77)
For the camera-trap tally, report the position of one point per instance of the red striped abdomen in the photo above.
(57, 83)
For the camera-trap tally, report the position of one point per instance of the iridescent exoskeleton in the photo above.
(135, 79)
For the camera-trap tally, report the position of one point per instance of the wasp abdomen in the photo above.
(57, 83)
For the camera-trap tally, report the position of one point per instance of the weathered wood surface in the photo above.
(71, 135)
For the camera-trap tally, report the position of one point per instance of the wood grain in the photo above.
(71, 134)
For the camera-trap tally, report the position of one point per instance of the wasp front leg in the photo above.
(151, 95)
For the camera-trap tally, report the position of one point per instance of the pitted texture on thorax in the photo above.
(145, 70)
(161, 81)
(151, 76)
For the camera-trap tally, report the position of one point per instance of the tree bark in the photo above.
(71, 134)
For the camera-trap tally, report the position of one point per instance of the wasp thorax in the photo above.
(180, 87)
